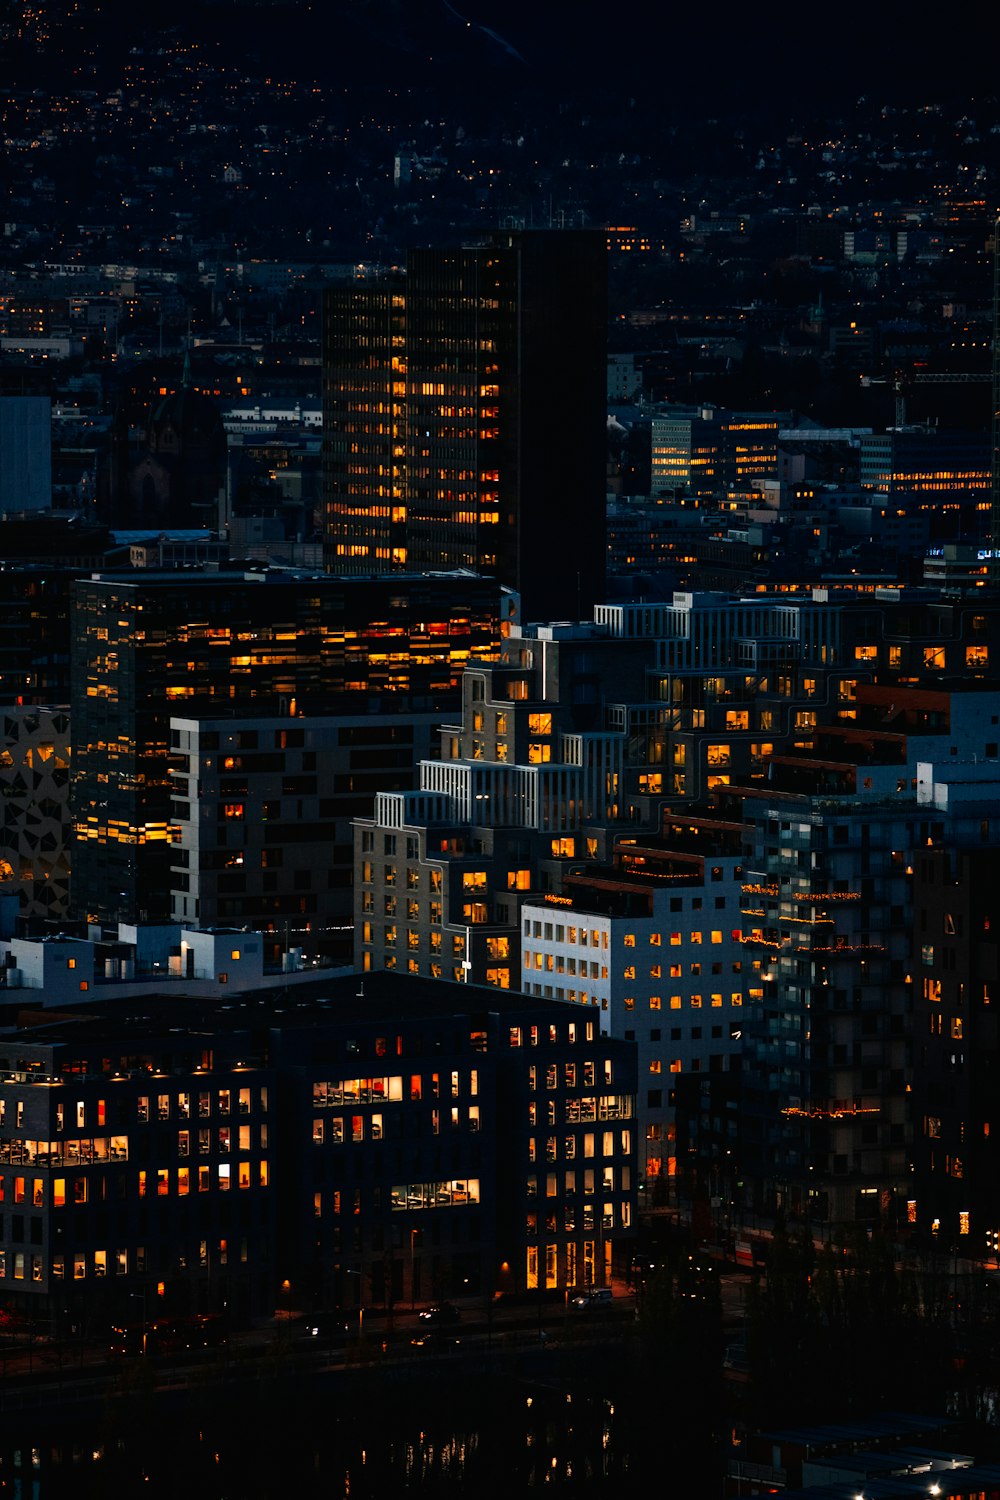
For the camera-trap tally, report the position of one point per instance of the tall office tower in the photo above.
(464, 418)
(25, 453)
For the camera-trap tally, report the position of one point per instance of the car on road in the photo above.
(598, 1296)
(440, 1314)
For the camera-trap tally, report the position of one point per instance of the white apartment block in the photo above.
(673, 980)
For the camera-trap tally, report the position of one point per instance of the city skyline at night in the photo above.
(499, 750)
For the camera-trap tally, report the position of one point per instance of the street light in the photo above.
(141, 1297)
(361, 1305)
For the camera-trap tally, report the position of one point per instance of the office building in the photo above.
(464, 418)
(146, 646)
(830, 1055)
(262, 818)
(25, 453)
(955, 1195)
(526, 787)
(654, 944)
(411, 1143)
(709, 452)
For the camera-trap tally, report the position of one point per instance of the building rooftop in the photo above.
(379, 996)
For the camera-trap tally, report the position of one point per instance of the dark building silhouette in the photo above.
(464, 418)
(955, 1193)
(168, 463)
(354, 1149)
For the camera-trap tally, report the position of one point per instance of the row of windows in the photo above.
(568, 1219)
(606, 1143)
(91, 1149)
(676, 1002)
(575, 998)
(21, 1266)
(449, 1194)
(589, 1110)
(589, 1073)
(553, 1184)
(164, 1181)
(695, 1032)
(435, 970)
(591, 1268)
(222, 1142)
(163, 1106)
(529, 1036)
(391, 1089)
(556, 963)
(389, 845)
(339, 1129)
(411, 876)
(585, 936)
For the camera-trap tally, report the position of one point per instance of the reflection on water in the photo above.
(489, 1435)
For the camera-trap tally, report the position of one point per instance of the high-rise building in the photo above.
(25, 453)
(464, 418)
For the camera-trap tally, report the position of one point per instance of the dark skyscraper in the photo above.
(464, 416)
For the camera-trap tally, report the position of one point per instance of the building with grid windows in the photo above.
(464, 417)
(279, 644)
(655, 944)
(341, 1149)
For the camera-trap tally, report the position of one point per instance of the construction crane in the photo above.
(904, 379)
